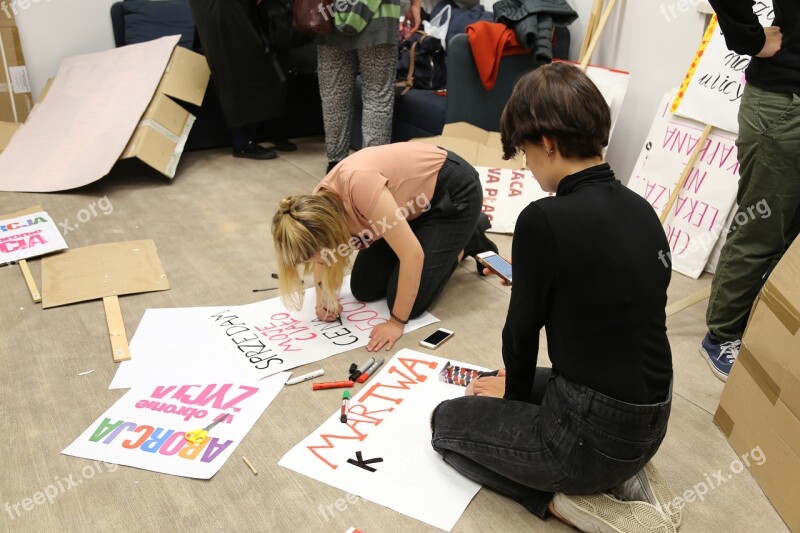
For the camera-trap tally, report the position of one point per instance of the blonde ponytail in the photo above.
(302, 227)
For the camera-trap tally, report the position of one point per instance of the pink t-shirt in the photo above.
(409, 170)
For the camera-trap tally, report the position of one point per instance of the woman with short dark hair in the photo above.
(587, 269)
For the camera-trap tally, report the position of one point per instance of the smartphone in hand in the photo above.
(496, 264)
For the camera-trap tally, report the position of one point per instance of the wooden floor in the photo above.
(211, 226)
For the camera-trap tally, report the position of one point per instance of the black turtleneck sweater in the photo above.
(590, 266)
(744, 35)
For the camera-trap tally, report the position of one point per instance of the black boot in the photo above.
(283, 144)
(479, 242)
(252, 150)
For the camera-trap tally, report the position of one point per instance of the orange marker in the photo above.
(333, 385)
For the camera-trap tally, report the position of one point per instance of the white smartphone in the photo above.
(496, 264)
(436, 339)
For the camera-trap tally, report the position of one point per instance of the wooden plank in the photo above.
(685, 174)
(596, 34)
(26, 272)
(116, 329)
(689, 301)
(594, 19)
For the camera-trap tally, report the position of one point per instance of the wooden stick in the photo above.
(116, 329)
(597, 8)
(597, 33)
(26, 272)
(689, 301)
(250, 466)
(685, 174)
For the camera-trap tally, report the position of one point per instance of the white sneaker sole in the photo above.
(600, 513)
(662, 494)
(721, 375)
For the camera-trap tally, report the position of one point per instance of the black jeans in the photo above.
(575, 441)
(443, 231)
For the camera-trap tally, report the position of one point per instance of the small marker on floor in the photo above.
(250, 466)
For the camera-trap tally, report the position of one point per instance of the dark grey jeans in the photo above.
(573, 440)
(443, 231)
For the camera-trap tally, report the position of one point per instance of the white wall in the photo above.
(656, 48)
(53, 29)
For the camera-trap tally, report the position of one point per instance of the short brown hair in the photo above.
(560, 101)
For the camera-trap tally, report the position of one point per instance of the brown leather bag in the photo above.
(313, 16)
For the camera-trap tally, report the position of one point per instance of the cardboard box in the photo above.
(161, 135)
(760, 404)
(15, 89)
(477, 146)
(6, 15)
(7, 129)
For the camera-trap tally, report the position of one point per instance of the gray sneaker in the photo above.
(648, 485)
(601, 513)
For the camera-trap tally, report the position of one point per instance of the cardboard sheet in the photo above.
(701, 209)
(388, 419)
(75, 135)
(250, 341)
(29, 235)
(93, 272)
(146, 428)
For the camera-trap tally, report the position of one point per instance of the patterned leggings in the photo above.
(337, 74)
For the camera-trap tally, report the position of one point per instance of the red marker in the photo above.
(371, 370)
(332, 385)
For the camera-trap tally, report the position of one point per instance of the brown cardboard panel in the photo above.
(7, 17)
(778, 476)
(768, 339)
(93, 272)
(186, 76)
(788, 425)
(790, 386)
(750, 420)
(763, 379)
(161, 135)
(465, 130)
(28, 211)
(7, 130)
(782, 290)
(723, 421)
(15, 97)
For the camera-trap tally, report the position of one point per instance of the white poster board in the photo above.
(389, 419)
(700, 211)
(713, 86)
(29, 236)
(506, 192)
(250, 341)
(146, 428)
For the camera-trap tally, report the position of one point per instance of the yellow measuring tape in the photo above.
(712, 26)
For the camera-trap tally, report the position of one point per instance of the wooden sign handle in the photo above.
(689, 301)
(26, 272)
(116, 329)
(596, 34)
(685, 174)
(594, 18)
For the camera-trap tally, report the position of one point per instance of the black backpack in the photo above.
(421, 64)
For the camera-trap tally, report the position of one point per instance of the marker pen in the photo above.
(306, 377)
(345, 401)
(371, 370)
(363, 368)
(332, 385)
